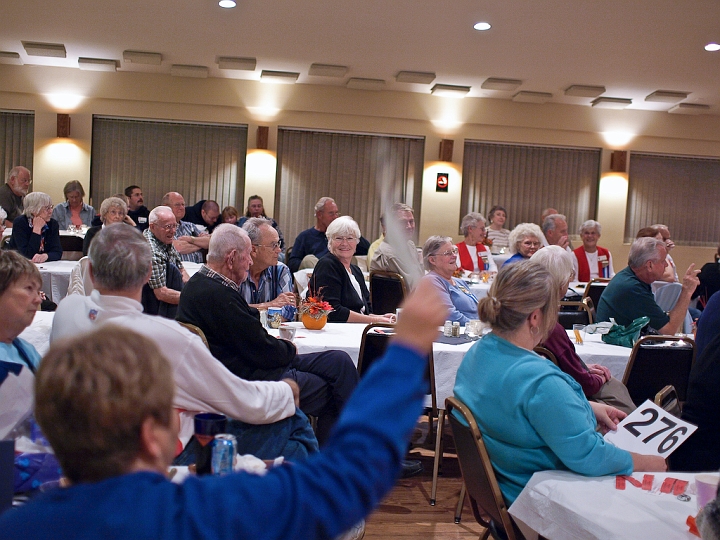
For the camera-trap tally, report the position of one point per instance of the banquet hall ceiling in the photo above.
(632, 48)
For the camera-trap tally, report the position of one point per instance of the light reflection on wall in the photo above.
(260, 169)
(618, 139)
(65, 102)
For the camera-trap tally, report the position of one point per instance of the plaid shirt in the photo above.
(206, 271)
(274, 281)
(161, 254)
(185, 228)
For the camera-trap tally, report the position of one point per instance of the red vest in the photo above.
(466, 262)
(584, 267)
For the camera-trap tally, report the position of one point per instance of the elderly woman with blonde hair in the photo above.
(340, 282)
(525, 239)
(596, 381)
(590, 260)
(533, 416)
(473, 255)
(35, 234)
(112, 210)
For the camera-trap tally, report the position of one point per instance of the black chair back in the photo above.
(486, 499)
(653, 366)
(667, 399)
(153, 306)
(387, 291)
(594, 289)
(574, 313)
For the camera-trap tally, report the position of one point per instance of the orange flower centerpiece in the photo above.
(314, 311)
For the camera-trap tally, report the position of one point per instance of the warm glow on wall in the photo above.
(614, 187)
(449, 117)
(617, 138)
(63, 154)
(65, 102)
(260, 169)
(264, 114)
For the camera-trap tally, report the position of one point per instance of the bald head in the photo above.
(176, 202)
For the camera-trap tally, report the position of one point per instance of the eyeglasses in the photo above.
(274, 245)
(453, 251)
(348, 239)
(528, 243)
(168, 228)
(49, 207)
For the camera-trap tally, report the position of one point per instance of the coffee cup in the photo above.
(287, 332)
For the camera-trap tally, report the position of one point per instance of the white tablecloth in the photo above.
(38, 333)
(595, 351)
(56, 278)
(566, 506)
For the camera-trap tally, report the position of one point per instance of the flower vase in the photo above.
(311, 323)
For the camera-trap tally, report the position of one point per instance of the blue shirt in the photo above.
(274, 281)
(61, 213)
(533, 417)
(457, 299)
(18, 352)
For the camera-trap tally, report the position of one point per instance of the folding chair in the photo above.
(387, 291)
(652, 366)
(575, 313)
(197, 331)
(594, 289)
(542, 351)
(667, 399)
(479, 480)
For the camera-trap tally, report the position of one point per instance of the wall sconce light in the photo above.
(446, 149)
(618, 161)
(63, 125)
(262, 137)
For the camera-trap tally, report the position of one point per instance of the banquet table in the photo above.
(595, 351)
(56, 278)
(565, 506)
(38, 333)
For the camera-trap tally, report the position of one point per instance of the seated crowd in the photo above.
(115, 445)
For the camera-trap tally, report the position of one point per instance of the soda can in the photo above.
(223, 453)
(274, 317)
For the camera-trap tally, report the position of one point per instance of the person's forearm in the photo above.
(169, 296)
(643, 462)
(201, 242)
(677, 313)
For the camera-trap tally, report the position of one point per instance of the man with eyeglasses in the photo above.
(269, 282)
(160, 234)
(311, 244)
(188, 239)
(13, 192)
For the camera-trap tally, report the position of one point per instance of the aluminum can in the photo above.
(223, 453)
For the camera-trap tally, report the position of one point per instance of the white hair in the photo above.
(558, 262)
(224, 239)
(521, 232)
(342, 226)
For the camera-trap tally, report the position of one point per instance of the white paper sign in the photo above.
(650, 430)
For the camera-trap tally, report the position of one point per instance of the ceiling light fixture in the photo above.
(532, 97)
(227, 4)
(450, 90)
(712, 47)
(507, 85)
(360, 83)
(140, 57)
(51, 50)
(233, 62)
(689, 108)
(482, 26)
(197, 72)
(282, 77)
(579, 90)
(327, 70)
(97, 64)
(611, 103)
(417, 77)
(7, 57)
(667, 96)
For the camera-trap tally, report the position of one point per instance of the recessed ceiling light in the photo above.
(7, 57)
(494, 83)
(482, 26)
(689, 108)
(180, 70)
(712, 47)
(418, 77)
(52, 50)
(282, 77)
(450, 90)
(227, 4)
(532, 97)
(361, 83)
(327, 70)
(232, 62)
(97, 64)
(611, 103)
(142, 57)
(667, 96)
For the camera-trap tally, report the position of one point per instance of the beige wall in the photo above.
(335, 108)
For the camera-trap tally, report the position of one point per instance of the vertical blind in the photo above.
(200, 161)
(527, 179)
(17, 140)
(677, 191)
(357, 170)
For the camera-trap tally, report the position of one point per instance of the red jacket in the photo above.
(584, 267)
(466, 262)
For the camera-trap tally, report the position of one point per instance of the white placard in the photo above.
(650, 430)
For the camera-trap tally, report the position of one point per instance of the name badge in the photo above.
(650, 430)
(142, 220)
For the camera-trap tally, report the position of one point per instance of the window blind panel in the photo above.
(200, 161)
(349, 167)
(17, 140)
(677, 191)
(527, 179)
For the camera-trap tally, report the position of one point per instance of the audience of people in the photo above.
(525, 239)
(188, 239)
(497, 217)
(439, 256)
(73, 211)
(340, 282)
(211, 300)
(629, 294)
(542, 420)
(397, 251)
(269, 282)
(473, 254)
(13, 191)
(35, 234)
(112, 210)
(590, 260)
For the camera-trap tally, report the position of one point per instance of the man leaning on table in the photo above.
(13, 191)
(629, 294)
(119, 267)
(160, 235)
(212, 301)
(115, 450)
(188, 239)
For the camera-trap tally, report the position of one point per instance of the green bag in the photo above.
(626, 336)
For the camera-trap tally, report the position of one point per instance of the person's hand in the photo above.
(642, 462)
(669, 244)
(284, 299)
(602, 371)
(418, 326)
(386, 319)
(184, 246)
(295, 390)
(690, 280)
(564, 242)
(391, 316)
(39, 258)
(607, 417)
